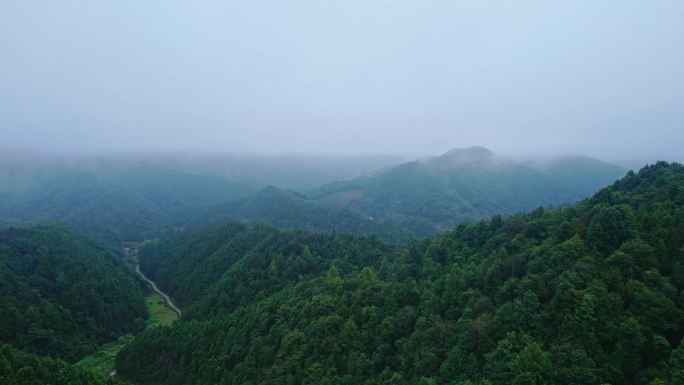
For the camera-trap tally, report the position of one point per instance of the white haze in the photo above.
(524, 78)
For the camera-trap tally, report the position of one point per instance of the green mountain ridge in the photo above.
(290, 209)
(422, 198)
(585, 294)
(435, 194)
(112, 200)
(116, 199)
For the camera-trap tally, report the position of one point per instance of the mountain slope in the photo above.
(114, 200)
(194, 266)
(130, 200)
(19, 368)
(579, 295)
(580, 174)
(288, 209)
(465, 184)
(62, 295)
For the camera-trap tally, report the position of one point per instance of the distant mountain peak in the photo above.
(474, 151)
(476, 155)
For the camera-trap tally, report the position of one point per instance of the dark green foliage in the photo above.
(229, 265)
(581, 295)
(62, 295)
(677, 365)
(18, 368)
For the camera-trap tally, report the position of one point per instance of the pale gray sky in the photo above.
(599, 77)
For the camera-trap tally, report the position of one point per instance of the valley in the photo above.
(300, 303)
(102, 362)
(161, 311)
(385, 192)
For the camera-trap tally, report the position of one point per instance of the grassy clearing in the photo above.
(160, 314)
(102, 361)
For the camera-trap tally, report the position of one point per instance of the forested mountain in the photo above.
(581, 175)
(119, 199)
(63, 295)
(437, 193)
(289, 209)
(19, 368)
(245, 261)
(586, 294)
(115, 200)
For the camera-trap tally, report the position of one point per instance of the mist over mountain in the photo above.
(116, 199)
(466, 184)
(341, 192)
(295, 171)
(127, 198)
(292, 210)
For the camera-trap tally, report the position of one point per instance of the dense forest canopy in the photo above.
(577, 294)
(586, 294)
(62, 295)
(229, 265)
(20, 368)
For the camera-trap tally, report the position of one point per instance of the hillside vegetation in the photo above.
(422, 198)
(121, 200)
(586, 294)
(289, 209)
(62, 295)
(466, 184)
(19, 368)
(113, 200)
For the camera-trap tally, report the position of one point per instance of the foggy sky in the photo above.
(597, 77)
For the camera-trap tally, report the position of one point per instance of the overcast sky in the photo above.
(597, 77)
